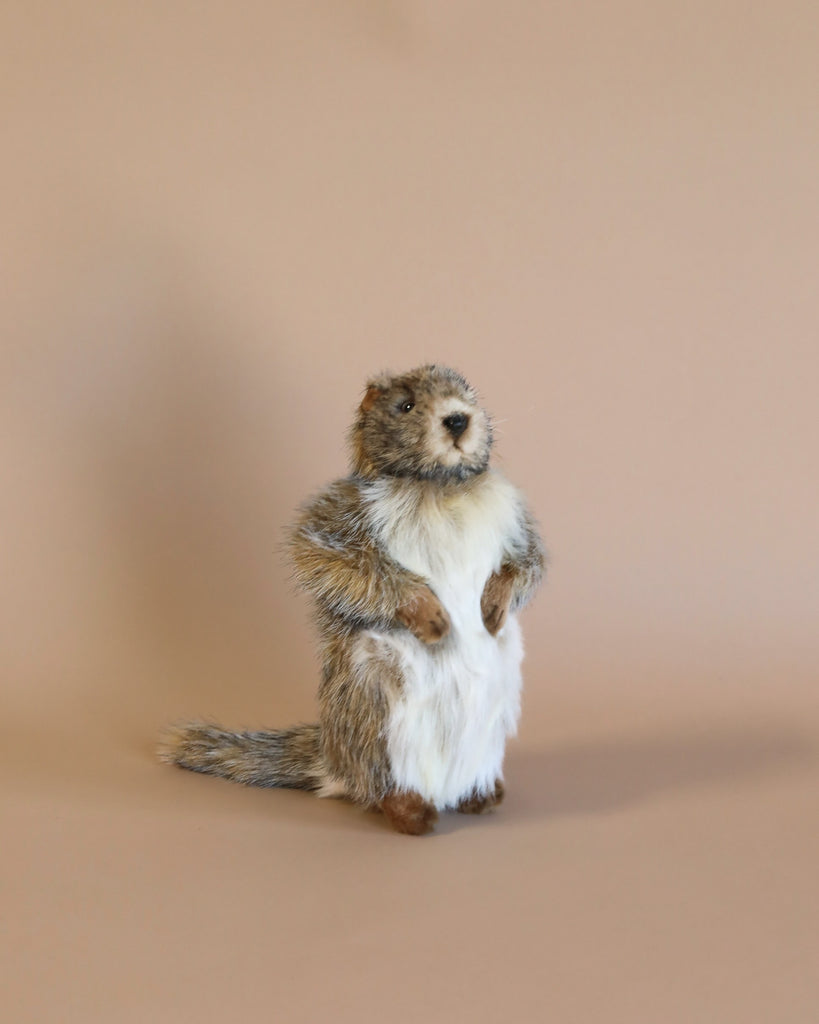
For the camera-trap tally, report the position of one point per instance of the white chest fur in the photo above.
(461, 697)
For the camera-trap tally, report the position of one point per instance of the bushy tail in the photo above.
(284, 757)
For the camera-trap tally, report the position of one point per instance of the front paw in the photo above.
(496, 599)
(425, 617)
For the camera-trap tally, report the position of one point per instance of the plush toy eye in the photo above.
(407, 406)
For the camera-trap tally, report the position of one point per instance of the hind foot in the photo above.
(409, 813)
(480, 804)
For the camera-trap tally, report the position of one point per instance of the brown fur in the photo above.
(409, 813)
(354, 703)
(496, 599)
(334, 556)
(403, 429)
(390, 433)
(425, 617)
(287, 758)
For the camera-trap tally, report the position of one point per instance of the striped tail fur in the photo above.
(283, 757)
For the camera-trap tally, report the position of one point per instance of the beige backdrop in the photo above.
(217, 220)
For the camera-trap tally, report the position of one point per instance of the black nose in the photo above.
(456, 424)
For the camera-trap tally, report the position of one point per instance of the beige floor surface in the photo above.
(649, 864)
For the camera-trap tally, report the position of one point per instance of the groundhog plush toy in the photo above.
(417, 563)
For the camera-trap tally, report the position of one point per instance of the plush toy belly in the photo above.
(460, 700)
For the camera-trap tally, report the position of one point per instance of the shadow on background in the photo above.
(191, 496)
(155, 464)
(604, 776)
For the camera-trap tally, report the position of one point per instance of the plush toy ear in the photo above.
(371, 397)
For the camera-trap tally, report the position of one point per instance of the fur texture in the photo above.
(417, 564)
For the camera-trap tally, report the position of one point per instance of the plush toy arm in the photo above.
(346, 572)
(527, 562)
(511, 586)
